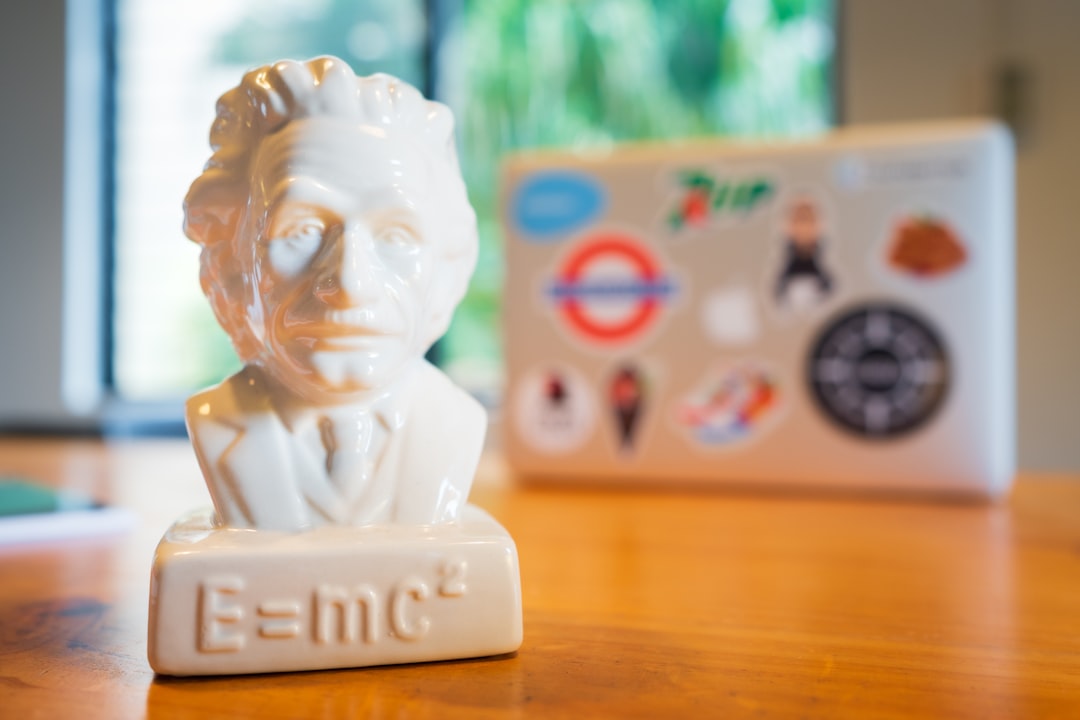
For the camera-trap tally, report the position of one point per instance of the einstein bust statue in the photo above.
(337, 239)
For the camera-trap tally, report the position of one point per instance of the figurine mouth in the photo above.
(346, 338)
(333, 336)
(358, 318)
(334, 331)
(339, 326)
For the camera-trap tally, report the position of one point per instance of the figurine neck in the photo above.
(296, 401)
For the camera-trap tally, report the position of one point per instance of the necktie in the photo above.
(350, 452)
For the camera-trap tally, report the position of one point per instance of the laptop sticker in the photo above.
(549, 205)
(729, 316)
(731, 404)
(555, 410)
(924, 247)
(878, 371)
(702, 196)
(849, 173)
(804, 279)
(610, 290)
(627, 399)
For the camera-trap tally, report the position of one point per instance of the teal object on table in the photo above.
(24, 497)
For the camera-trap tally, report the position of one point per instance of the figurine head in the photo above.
(336, 234)
(803, 223)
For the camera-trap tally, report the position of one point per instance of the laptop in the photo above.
(827, 313)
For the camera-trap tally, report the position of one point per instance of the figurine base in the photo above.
(227, 601)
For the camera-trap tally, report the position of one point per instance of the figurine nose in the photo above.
(349, 277)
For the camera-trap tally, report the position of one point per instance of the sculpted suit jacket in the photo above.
(262, 476)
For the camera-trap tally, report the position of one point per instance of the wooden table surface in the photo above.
(637, 604)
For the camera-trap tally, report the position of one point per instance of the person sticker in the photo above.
(804, 281)
(555, 410)
(626, 395)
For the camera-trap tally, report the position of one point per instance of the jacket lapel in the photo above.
(375, 504)
(312, 480)
(259, 469)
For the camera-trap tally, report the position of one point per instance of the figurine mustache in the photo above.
(359, 322)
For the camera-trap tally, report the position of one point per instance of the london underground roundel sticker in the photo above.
(610, 289)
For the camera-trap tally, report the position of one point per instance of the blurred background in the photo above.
(109, 103)
(517, 73)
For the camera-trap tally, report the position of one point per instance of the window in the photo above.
(173, 61)
(521, 73)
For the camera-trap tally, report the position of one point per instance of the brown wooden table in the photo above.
(637, 603)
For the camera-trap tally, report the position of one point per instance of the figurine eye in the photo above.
(400, 246)
(302, 233)
(399, 236)
(295, 244)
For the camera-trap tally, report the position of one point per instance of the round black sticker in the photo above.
(879, 371)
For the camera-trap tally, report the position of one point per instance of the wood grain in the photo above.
(637, 604)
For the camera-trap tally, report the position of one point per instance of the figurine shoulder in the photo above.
(234, 398)
(444, 398)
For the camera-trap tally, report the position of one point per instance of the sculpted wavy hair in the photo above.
(266, 100)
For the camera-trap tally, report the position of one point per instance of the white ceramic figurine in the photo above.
(337, 239)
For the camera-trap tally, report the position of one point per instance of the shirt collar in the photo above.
(297, 415)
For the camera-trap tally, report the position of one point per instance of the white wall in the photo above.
(31, 219)
(51, 195)
(939, 58)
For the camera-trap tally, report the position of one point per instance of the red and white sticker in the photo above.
(610, 289)
(733, 403)
(554, 409)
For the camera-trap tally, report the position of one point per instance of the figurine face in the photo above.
(803, 225)
(343, 256)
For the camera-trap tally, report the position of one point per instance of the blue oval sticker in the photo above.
(549, 204)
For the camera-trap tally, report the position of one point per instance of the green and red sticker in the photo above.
(703, 195)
